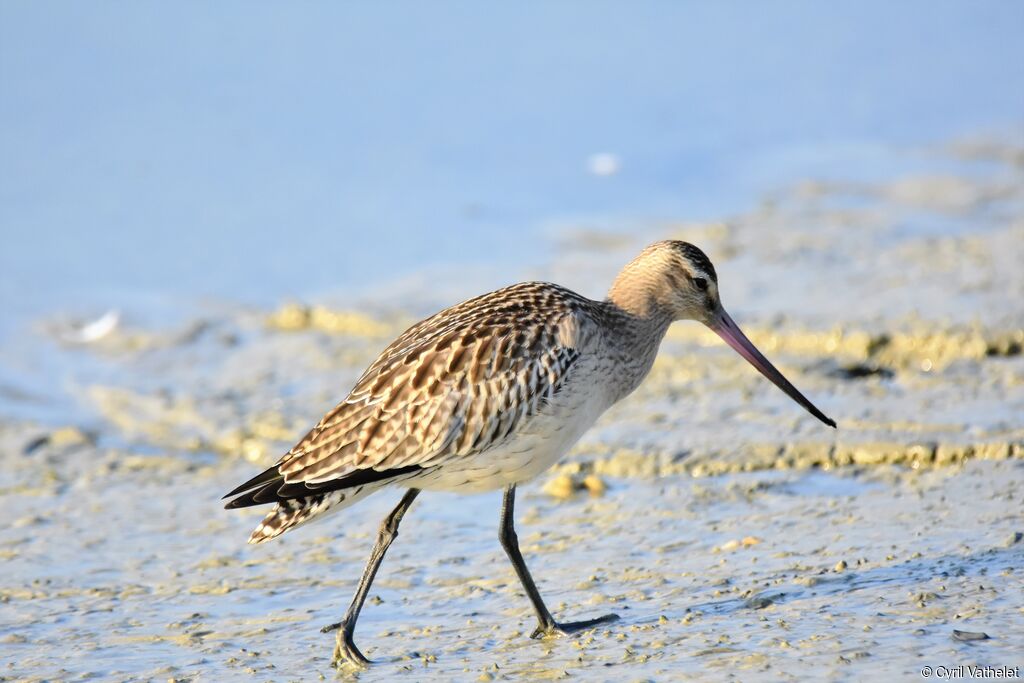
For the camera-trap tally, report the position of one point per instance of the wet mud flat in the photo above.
(127, 571)
(735, 536)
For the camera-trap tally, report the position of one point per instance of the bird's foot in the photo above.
(332, 627)
(345, 650)
(570, 627)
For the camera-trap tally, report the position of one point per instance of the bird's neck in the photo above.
(636, 329)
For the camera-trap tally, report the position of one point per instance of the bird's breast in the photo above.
(538, 443)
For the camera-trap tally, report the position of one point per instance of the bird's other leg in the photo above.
(345, 649)
(546, 626)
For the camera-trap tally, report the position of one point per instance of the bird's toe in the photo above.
(566, 628)
(331, 627)
(346, 652)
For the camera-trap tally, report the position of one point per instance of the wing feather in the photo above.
(453, 385)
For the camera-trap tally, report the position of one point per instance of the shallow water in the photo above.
(785, 551)
(195, 168)
(867, 230)
(735, 574)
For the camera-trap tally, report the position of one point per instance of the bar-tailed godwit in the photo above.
(487, 395)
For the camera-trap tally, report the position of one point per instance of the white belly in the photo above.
(537, 445)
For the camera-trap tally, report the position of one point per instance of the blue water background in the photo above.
(156, 157)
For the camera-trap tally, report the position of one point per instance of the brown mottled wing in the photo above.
(453, 385)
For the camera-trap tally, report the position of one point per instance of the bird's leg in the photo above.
(546, 625)
(345, 649)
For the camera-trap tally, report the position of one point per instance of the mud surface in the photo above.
(733, 534)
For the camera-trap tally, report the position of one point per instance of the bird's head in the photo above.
(675, 280)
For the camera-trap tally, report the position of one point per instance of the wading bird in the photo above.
(487, 395)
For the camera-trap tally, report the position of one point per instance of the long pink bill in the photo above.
(734, 337)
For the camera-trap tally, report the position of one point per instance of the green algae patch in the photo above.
(164, 420)
(924, 349)
(569, 478)
(565, 486)
(829, 456)
(294, 317)
(179, 422)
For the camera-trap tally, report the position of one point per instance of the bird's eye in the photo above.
(700, 283)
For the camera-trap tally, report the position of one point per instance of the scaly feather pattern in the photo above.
(452, 386)
(457, 383)
(487, 393)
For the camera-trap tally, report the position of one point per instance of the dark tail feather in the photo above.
(267, 493)
(270, 486)
(264, 477)
(293, 512)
